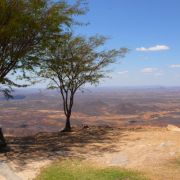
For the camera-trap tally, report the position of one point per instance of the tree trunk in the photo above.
(2, 140)
(67, 127)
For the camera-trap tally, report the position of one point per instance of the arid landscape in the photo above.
(124, 128)
(153, 151)
(41, 111)
(89, 90)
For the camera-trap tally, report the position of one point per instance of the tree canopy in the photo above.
(72, 62)
(26, 26)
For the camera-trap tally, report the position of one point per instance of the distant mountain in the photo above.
(16, 97)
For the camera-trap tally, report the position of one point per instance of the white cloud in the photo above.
(122, 72)
(149, 70)
(153, 48)
(175, 66)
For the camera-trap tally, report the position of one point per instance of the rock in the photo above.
(173, 128)
(7, 173)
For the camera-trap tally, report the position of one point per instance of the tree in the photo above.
(73, 62)
(26, 26)
(2, 139)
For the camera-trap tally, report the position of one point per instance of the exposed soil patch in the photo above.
(152, 150)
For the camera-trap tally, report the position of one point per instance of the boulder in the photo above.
(173, 128)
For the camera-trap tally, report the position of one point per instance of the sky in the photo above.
(149, 28)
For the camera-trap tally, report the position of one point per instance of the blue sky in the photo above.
(150, 28)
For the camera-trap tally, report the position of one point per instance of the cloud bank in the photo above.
(175, 66)
(153, 48)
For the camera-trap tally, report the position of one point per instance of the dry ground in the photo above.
(155, 151)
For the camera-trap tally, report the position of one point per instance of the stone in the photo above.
(173, 128)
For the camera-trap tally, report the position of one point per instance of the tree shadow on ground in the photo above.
(81, 142)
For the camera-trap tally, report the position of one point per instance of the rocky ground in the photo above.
(155, 151)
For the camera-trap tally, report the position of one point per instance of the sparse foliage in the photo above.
(73, 62)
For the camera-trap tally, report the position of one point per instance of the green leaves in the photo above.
(27, 27)
(72, 62)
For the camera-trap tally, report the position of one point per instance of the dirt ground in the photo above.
(154, 151)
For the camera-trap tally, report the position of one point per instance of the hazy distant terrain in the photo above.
(34, 111)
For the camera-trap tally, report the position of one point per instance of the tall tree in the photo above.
(74, 61)
(26, 26)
